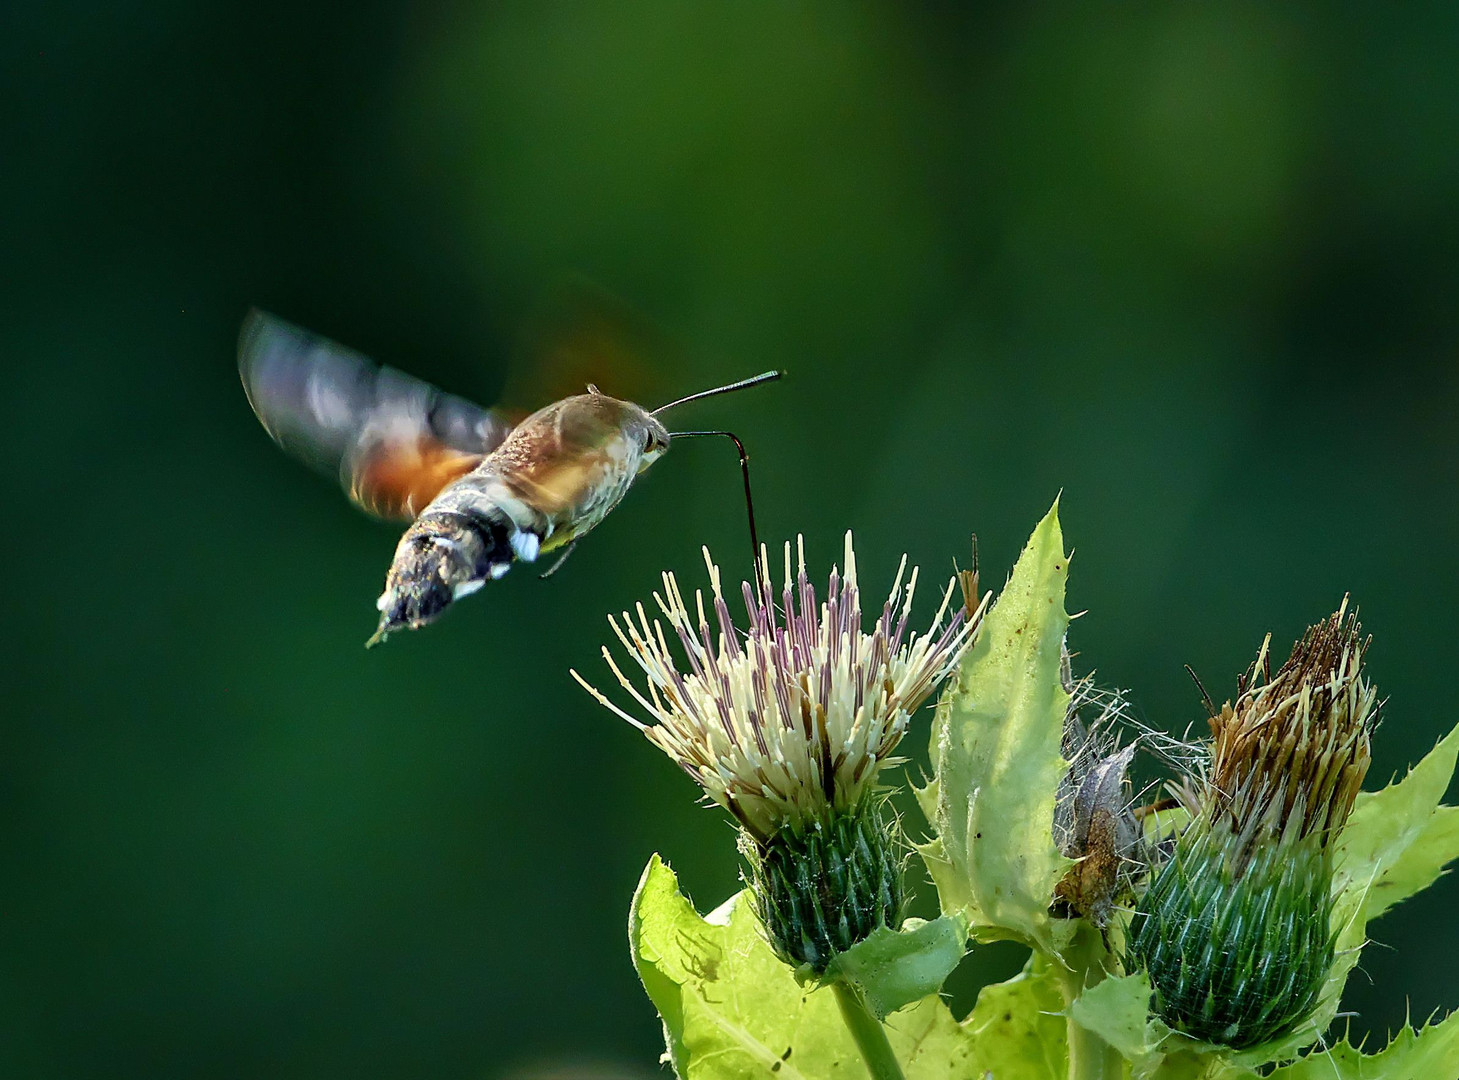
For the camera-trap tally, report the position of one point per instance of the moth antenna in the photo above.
(744, 468)
(754, 380)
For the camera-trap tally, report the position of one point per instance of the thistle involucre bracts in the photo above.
(786, 724)
(1235, 931)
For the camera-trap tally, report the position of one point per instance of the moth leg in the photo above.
(560, 560)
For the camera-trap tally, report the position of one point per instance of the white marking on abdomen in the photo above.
(526, 545)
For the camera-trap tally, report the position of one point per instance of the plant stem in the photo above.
(870, 1036)
(1090, 1057)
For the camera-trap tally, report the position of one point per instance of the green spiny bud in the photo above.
(1235, 931)
(1236, 957)
(826, 884)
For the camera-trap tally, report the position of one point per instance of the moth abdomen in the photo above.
(443, 556)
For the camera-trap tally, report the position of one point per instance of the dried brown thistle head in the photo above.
(1235, 932)
(1289, 757)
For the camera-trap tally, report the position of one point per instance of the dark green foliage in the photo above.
(1237, 958)
(820, 890)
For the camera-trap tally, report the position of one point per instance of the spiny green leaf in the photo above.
(1418, 867)
(1015, 1032)
(1399, 839)
(1430, 1054)
(927, 796)
(1183, 1064)
(893, 968)
(732, 1010)
(995, 746)
(1117, 1010)
(1017, 1028)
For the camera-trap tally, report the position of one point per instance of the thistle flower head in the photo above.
(1235, 931)
(792, 718)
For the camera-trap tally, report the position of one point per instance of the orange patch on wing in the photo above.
(398, 480)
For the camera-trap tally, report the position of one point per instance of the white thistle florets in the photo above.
(796, 715)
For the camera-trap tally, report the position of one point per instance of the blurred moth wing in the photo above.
(393, 441)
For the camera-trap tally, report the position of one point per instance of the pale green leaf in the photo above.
(893, 968)
(1015, 1032)
(1430, 1054)
(732, 1010)
(1182, 1064)
(1420, 866)
(927, 796)
(1117, 1010)
(995, 749)
(1399, 839)
(1017, 1028)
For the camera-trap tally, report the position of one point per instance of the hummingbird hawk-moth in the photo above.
(479, 491)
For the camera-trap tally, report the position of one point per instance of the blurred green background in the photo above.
(1197, 267)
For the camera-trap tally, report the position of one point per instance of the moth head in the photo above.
(655, 441)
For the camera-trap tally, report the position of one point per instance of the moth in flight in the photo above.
(478, 491)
